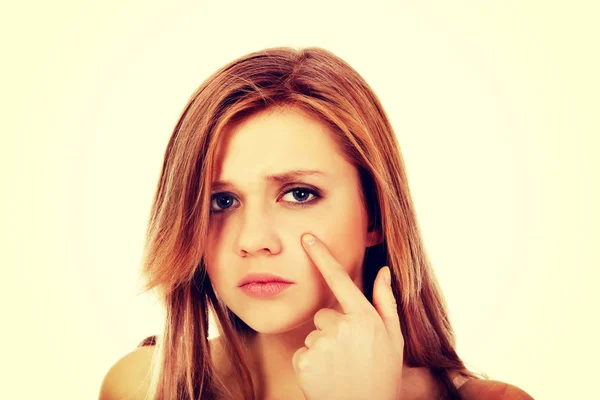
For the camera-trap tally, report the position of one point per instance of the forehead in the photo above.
(276, 141)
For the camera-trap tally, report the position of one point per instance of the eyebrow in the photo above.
(281, 178)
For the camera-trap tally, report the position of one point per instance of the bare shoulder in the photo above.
(129, 377)
(476, 389)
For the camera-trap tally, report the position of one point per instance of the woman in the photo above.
(274, 145)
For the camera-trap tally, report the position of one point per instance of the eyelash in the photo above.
(303, 204)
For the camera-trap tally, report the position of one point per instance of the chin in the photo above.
(274, 327)
(277, 318)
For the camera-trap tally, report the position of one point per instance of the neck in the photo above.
(271, 356)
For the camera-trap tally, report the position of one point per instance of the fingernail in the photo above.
(388, 276)
(308, 239)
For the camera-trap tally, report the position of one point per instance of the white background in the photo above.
(495, 105)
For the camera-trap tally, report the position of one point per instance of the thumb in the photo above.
(387, 308)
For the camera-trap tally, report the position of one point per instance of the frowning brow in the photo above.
(285, 177)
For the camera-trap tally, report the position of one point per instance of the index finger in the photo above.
(349, 296)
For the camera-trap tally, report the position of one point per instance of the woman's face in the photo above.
(256, 224)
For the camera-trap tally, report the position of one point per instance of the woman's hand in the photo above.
(357, 354)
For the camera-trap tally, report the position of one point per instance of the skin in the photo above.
(260, 230)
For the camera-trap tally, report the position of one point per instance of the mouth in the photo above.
(262, 278)
(265, 289)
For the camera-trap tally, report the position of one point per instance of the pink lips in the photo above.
(263, 285)
(265, 290)
(261, 278)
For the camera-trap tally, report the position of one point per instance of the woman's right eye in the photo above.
(223, 201)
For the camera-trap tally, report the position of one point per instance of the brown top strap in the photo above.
(149, 341)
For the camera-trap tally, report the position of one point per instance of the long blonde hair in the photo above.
(320, 83)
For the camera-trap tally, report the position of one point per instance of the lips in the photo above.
(262, 278)
(265, 290)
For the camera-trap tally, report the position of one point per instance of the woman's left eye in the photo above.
(300, 194)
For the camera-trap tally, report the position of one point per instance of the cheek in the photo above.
(211, 261)
(344, 236)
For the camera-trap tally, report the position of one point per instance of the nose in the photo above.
(257, 234)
